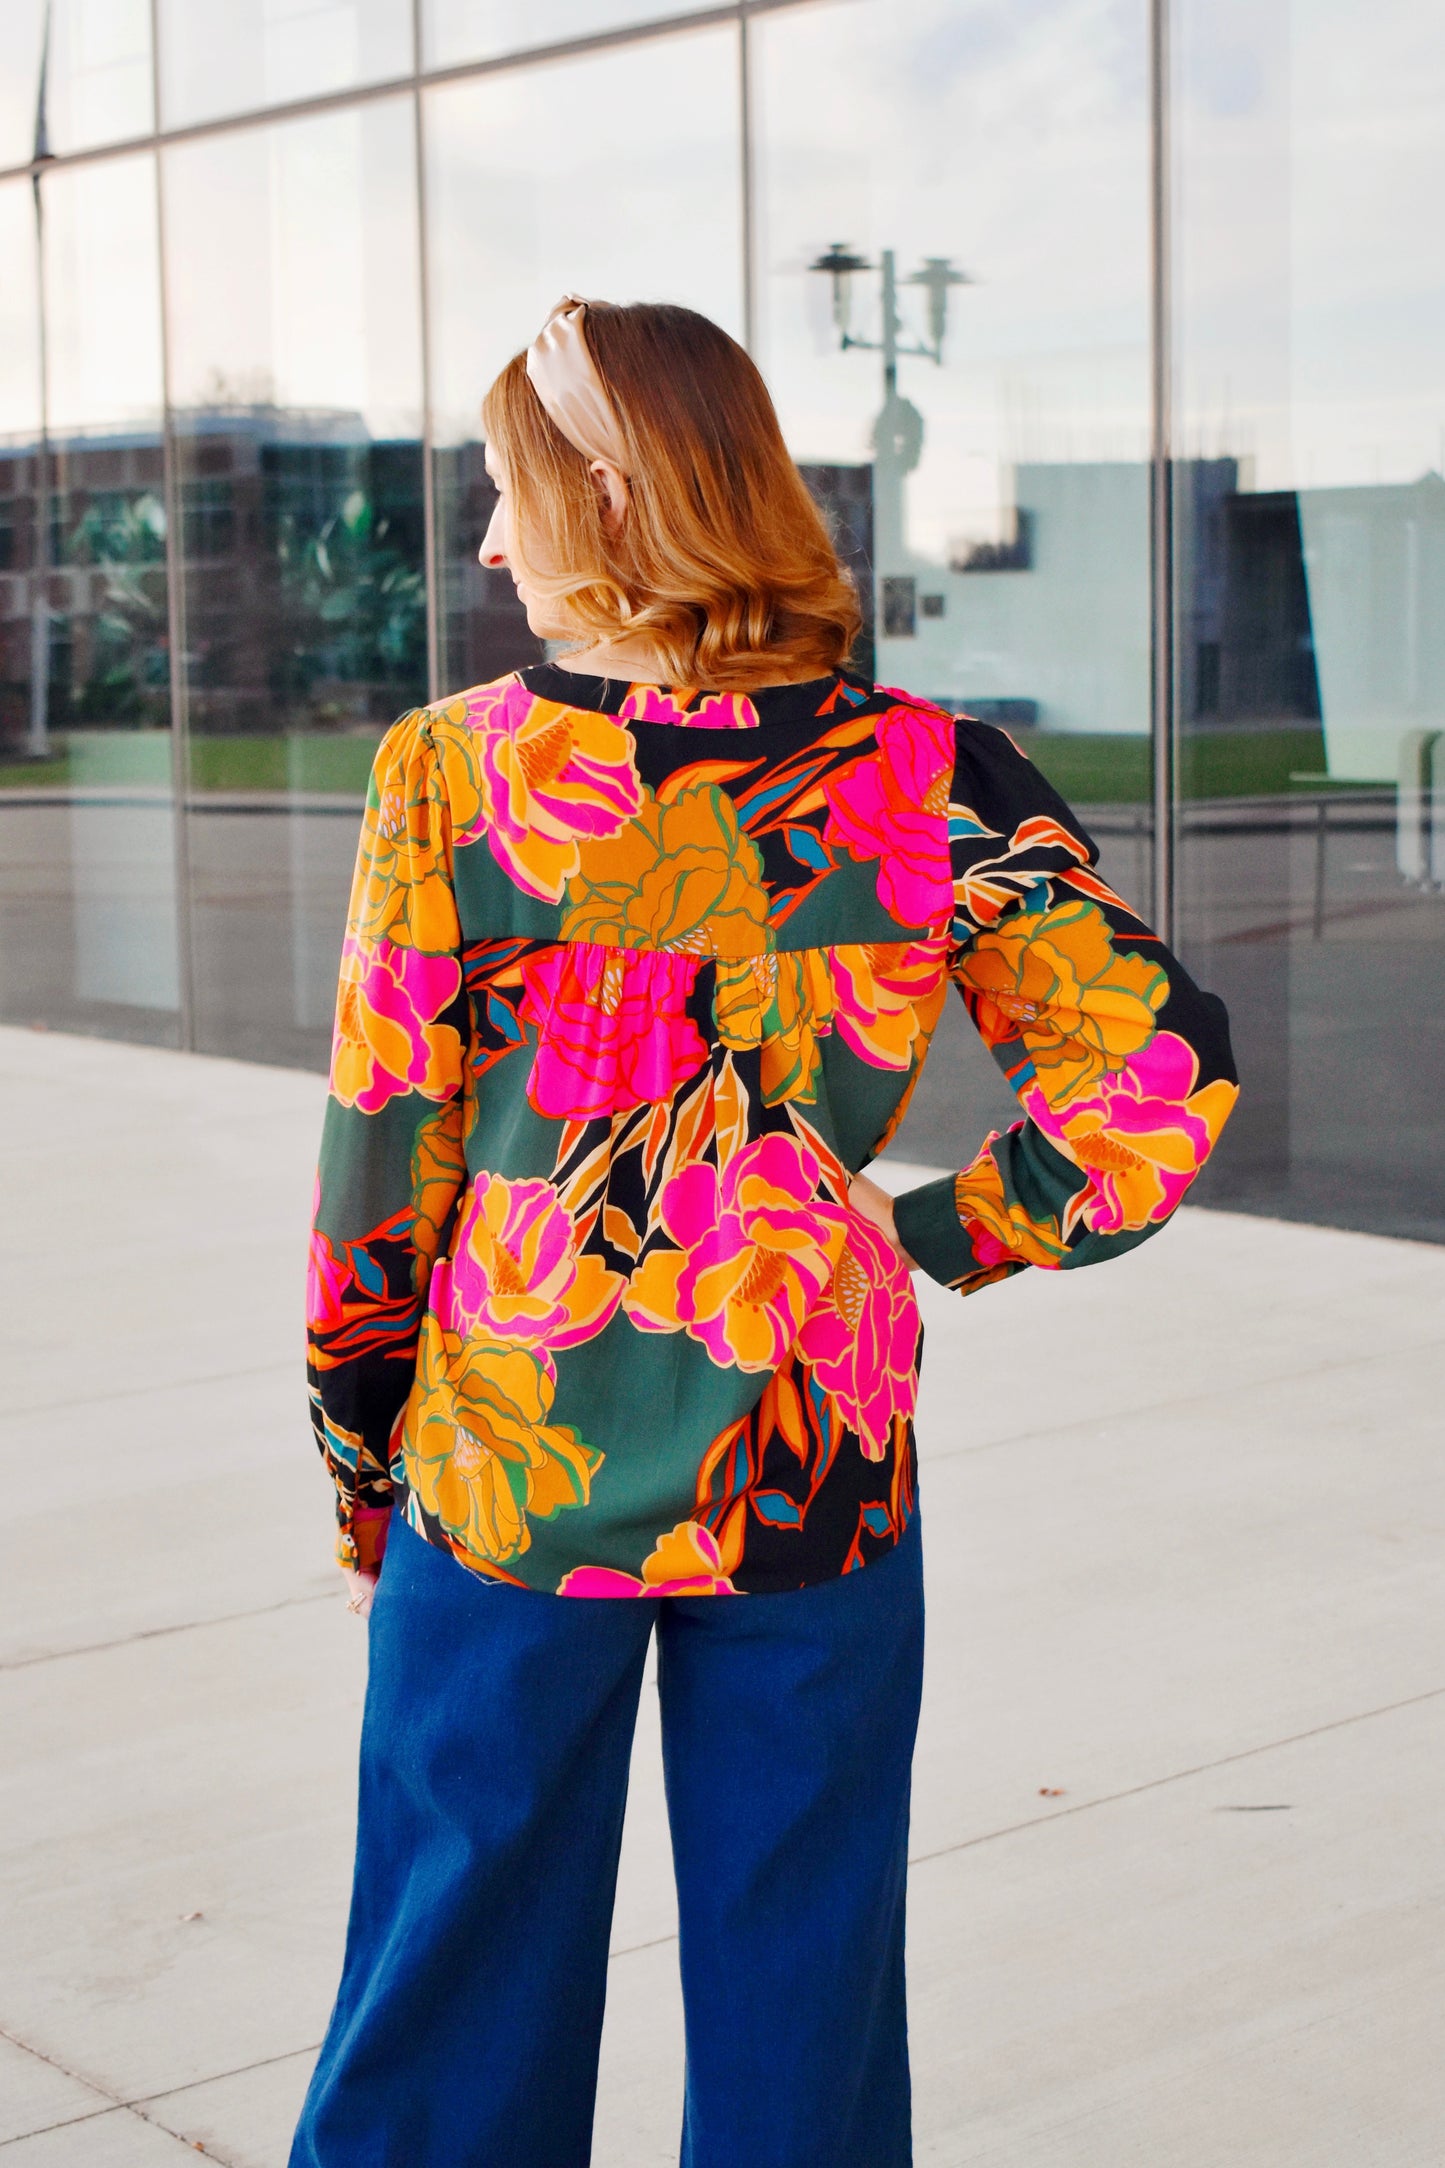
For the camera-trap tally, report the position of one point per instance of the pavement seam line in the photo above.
(1189, 1400)
(114, 2104)
(1178, 1776)
(634, 1949)
(67, 2122)
(218, 2077)
(159, 1633)
(136, 2103)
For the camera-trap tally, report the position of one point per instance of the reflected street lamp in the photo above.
(898, 432)
(937, 276)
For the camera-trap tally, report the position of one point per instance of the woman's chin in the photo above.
(543, 627)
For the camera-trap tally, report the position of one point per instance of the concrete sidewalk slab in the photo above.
(1183, 1520)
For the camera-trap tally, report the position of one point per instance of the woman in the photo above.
(645, 952)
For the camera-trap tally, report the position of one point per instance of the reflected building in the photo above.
(243, 343)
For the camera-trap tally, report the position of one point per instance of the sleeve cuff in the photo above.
(933, 1234)
(361, 1533)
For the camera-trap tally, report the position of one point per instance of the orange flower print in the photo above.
(682, 875)
(757, 1246)
(402, 890)
(514, 1275)
(783, 1004)
(387, 1040)
(478, 1450)
(889, 995)
(686, 1562)
(438, 1174)
(1003, 1234)
(1053, 978)
(549, 778)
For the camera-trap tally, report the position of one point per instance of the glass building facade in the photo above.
(1109, 335)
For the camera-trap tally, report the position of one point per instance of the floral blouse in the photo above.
(634, 981)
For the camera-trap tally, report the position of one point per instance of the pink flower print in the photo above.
(685, 1562)
(757, 1246)
(987, 1248)
(612, 1028)
(862, 1338)
(327, 1279)
(514, 1275)
(669, 704)
(387, 1039)
(548, 779)
(1142, 1133)
(892, 805)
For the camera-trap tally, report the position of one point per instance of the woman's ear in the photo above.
(612, 493)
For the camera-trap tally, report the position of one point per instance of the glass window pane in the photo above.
(297, 383)
(88, 895)
(503, 189)
(1312, 554)
(455, 31)
(239, 56)
(22, 37)
(23, 727)
(990, 478)
(98, 79)
(96, 75)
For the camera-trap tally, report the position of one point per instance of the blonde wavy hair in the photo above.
(722, 563)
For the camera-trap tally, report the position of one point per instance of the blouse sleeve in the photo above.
(1120, 1063)
(392, 1165)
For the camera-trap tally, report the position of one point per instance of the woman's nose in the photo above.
(493, 552)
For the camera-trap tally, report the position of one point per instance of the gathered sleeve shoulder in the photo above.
(392, 1164)
(1120, 1063)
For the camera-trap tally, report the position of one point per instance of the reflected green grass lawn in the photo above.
(1101, 769)
(1087, 768)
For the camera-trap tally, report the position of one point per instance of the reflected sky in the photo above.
(454, 31)
(515, 160)
(102, 282)
(236, 56)
(921, 131)
(98, 77)
(294, 277)
(1311, 146)
(19, 319)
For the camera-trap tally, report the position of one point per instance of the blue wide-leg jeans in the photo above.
(494, 1761)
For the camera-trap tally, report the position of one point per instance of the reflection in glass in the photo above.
(504, 184)
(1311, 543)
(296, 379)
(98, 79)
(85, 782)
(239, 56)
(22, 37)
(73, 74)
(455, 31)
(953, 308)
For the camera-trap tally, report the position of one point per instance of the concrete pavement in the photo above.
(1178, 1885)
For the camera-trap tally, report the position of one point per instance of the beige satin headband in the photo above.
(564, 376)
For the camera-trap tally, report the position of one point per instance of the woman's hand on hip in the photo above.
(876, 1206)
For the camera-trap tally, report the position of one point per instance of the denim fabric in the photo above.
(494, 1762)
